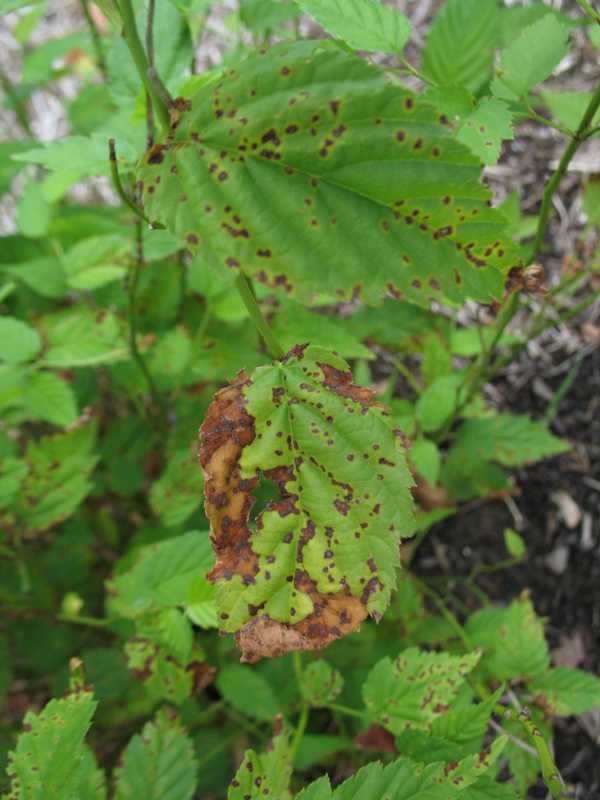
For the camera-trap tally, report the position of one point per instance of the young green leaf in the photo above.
(363, 24)
(81, 337)
(437, 403)
(20, 342)
(178, 492)
(50, 398)
(514, 543)
(417, 687)
(162, 576)
(531, 58)
(459, 50)
(325, 554)
(290, 127)
(248, 692)
(158, 764)
(50, 758)
(564, 691)
(512, 640)
(425, 457)
(321, 684)
(33, 212)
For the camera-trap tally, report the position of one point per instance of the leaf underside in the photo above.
(310, 170)
(323, 555)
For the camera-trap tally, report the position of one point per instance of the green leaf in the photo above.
(484, 130)
(314, 748)
(512, 640)
(568, 107)
(20, 342)
(417, 687)
(531, 58)
(158, 764)
(321, 684)
(33, 212)
(425, 457)
(270, 772)
(294, 323)
(81, 337)
(564, 691)
(515, 19)
(44, 275)
(329, 547)
(264, 16)
(591, 200)
(289, 127)
(460, 44)
(201, 605)
(363, 24)
(178, 492)
(12, 474)
(509, 439)
(437, 403)
(50, 398)
(50, 759)
(97, 261)
(162, 575)
(514, 543)
(247, 691)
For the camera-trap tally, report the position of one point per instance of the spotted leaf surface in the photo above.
(310, 170)
(323, 555)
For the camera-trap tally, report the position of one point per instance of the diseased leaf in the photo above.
(50, 398)
(564, 691)
(321, 684)
(363, 24)
(325, 554)
(484, 130)
(163, 676)
(531, 58)
(269, 772)
(158, 764)
(512, 640)
(460, 44)
(417, 687)
(50, 758)
(289, 127)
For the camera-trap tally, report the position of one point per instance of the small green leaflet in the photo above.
(486, 128)
(565, 691)
(325, 553)
(531, 58)
(268, 172)
(20, 342)
(363, 24)
(459, 50)
(158, 764)
(267, 773)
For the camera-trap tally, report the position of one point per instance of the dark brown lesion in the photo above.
(227, 429)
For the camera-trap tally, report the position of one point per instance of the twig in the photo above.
(579, 136)
(150, 55)
(17, 104)
(303, 719)
(133, 321)
(587, 7)
(95, 34)
(132, 38)
(118, 186)
(244, 287)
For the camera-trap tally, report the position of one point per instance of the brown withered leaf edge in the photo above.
(227, 429)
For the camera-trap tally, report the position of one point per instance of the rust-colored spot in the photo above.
(156, 154)
(263, 253)
(418, 144)
(292, 129)
(222, 176)
(191, 238)
(409, 103)
(334, 105)
(400, 136)
(232, 262)
(285, 71)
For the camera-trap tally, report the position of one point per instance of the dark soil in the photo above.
(565, 589)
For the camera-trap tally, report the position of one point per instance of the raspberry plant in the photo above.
(300, 176)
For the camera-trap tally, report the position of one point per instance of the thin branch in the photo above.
(244, 287)
(579, 136)
(118, 186)
(150, 55)
(96, 40)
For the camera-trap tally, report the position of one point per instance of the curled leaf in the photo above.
(323, 555)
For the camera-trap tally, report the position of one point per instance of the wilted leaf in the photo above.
(289, 127)
(324, 555)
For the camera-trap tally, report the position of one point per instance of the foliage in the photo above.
(267, 262)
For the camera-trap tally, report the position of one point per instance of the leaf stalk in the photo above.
(244, 287)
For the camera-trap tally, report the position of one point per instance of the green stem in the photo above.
(587, 7)
(579, 136)
(116, 182)
(133, 324)
(548, 122)
(244, 287)
(18, 105)
(304, 708)
(96, 41)
(132, 39)
(350, 712)
(90, 622)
